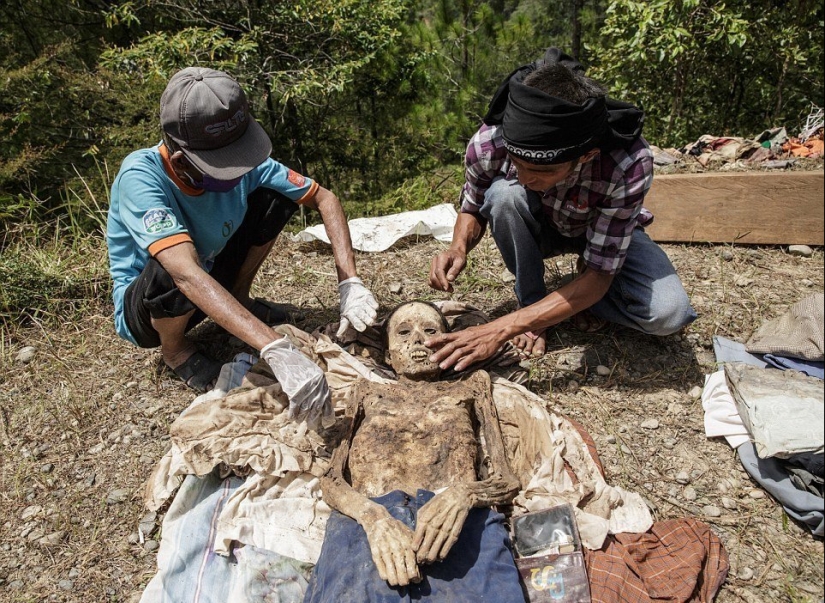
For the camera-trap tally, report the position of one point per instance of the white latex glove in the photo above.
(358, 306)
(303, 382)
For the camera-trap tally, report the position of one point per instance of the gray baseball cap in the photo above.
(206, 112)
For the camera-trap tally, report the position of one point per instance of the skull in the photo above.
(408, 327)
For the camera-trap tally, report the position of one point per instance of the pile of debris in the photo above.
(772, 149)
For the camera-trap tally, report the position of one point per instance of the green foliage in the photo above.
(56, 116)
(423, 191)
(159, 55)
(700, 67)
(53, 264)
(324, 77)
(47, 278)
(376, 99)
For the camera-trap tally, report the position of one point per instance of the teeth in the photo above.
(418, 355)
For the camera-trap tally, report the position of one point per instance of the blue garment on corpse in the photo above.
(479, 567)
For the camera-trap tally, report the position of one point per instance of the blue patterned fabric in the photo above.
(479, 568)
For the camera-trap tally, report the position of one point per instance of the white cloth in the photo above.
(721, 416)
(281, 514)
(539, 444)
(379, 234)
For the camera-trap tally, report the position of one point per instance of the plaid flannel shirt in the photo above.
(601, 200)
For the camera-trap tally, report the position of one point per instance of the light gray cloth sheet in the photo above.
(773, 477)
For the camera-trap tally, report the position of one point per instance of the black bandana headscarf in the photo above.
(543, 129)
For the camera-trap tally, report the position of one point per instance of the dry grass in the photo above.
(91, 404)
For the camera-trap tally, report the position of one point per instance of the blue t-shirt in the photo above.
(151, 210)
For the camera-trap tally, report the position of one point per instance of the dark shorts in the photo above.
(479, 567)
(153, 294)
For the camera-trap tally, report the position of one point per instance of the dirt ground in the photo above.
(84, 421)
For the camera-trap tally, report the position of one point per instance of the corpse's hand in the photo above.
(466, 347)
(391, 548)
(445, 268)
(440, 522)
(358, 306)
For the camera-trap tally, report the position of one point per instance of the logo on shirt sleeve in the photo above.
(296, 178)
(158, 220)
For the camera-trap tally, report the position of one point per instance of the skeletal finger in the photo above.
(424, 550)
(389, 566)
(445, 548)
(413, 573)
(381, 566)
(433, 552)
(399, 563)
(455, 532)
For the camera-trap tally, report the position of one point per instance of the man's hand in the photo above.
(303, 382)
(391, 548)
(445, 268)
(440, 522)
(358, 306)
(467, 346)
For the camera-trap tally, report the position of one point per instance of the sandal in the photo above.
(272, 314)
(587, 322)
(529, 339)
(198, 372)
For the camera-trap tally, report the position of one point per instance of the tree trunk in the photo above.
(779, 86)
(465, 44)
(576, 41)
(678, 96)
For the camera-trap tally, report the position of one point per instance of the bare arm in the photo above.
(181, 262)
(446, 266)
(440, 521)
(475, 344)
(335, 223)
(390, 540)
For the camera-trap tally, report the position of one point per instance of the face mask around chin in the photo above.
(213, 185)
(219, 186)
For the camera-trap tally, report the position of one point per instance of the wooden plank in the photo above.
(785, 208)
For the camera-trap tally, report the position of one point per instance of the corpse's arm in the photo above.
(390, 540)
(440, 521)
(502, 485)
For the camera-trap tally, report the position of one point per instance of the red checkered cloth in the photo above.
(678, 560)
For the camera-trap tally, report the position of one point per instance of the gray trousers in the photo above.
(646, 294)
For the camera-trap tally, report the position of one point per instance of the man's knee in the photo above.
(152, 295)
(268, 212)
(505, 200)
(669, 313)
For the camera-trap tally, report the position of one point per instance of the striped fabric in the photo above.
(678, 560)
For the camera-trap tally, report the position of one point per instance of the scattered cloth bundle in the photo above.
(799, 333)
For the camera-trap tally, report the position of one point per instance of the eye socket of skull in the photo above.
(407, 330)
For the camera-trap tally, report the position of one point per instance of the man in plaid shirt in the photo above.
(558, 168)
